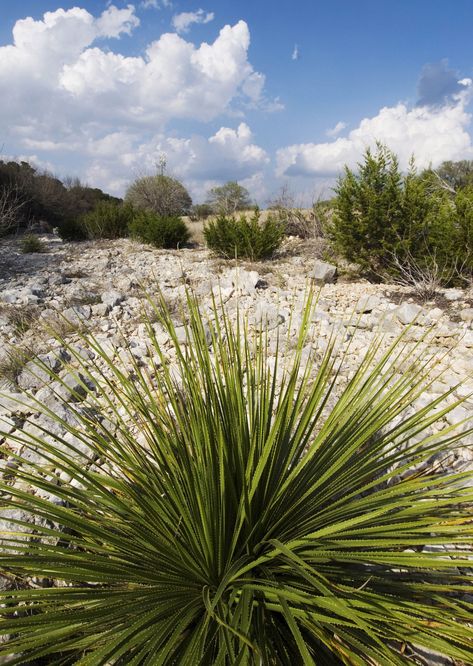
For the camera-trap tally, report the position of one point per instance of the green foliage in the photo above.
(228, 198)
(383, 220)
(368, 218)
(108, 220)
(200, 212)
(72, 229)
(463, 224)
(32, 243)
(245, 237)
(246, 523)
(456, 175)
(162, 195)
(164, 232)
(39, 196)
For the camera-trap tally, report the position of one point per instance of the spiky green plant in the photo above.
(232, 512)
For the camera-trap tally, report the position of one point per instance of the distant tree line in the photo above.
(29, 196)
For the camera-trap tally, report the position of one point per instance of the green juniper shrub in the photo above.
(463, 238)
(72, 229)
(383, 219)
(108, 220)
(32, 243)
(368, 210)
(161, 231)
(244, 237)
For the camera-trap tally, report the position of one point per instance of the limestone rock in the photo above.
(112, 298)
(453, 294)
(77, 314)
(407, 313)
(467, 315)
(367, 304)
(323, 272)
(429, 657)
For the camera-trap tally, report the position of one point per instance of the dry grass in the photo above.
(13, 362)
(21, 318)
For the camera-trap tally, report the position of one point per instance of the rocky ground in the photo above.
(99, 286)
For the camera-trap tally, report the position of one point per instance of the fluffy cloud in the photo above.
(155, 4)
(106, 116)
(114, 160)
(182, 22)
(58, 79)
(114, 22)
(335, 131)
(432, 133)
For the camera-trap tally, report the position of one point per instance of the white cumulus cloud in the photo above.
(115, 22)
(335, 131)
(57, 78)
(432, 134)
(183, 21)
(155, 4)
(105, 115)
(199, 161)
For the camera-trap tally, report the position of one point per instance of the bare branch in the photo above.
(11, 203)
(443, 183)
(425, 278)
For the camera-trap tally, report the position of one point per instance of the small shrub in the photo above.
(71, 229)
(425, 277)
(31, 243)
(108, 220)
(245, 237)
(23, 318)
(163, 232)
(307, 224)
(200, 212)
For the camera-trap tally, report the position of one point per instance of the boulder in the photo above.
(112, 298)
(323, 272)
(467, 315)
(407, 313)
(367, 304)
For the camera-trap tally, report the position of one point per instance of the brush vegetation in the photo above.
(244, 237)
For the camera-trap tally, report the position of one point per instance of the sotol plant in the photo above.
(231, 518)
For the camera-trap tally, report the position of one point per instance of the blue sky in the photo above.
(265, 93)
